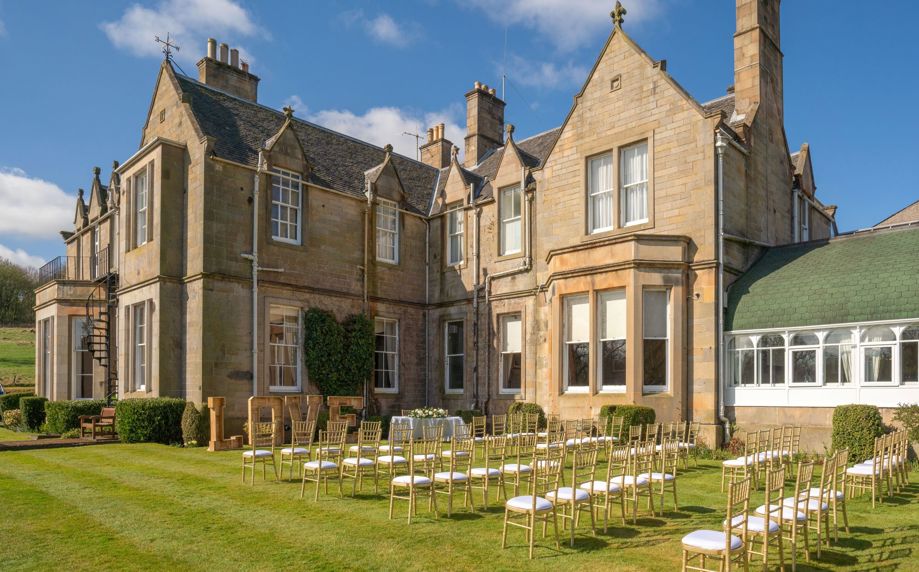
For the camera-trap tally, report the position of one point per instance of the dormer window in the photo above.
(286, 205)
(387, 223)
(509, 207)
(455, 236)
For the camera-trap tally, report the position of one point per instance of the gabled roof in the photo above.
(725, 103)
(909, 213)
(339, 162)
(533, 152)
(858, 277)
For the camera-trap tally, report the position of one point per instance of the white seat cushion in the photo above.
(448, 453)
(629, 480)
(425, 457)
(392, 459)
(258, 453)
(390, 449)
(710, 540)
(360, 462)
(412, 480)
(295, 451)
(482, 471)
(565, 494)
(687, 445)
(788, 513)
(816, 493)
(754, 524)
(544, 446)
(526, 503)
(601, 487)
(738, 462)
(447, 476)
(322, 465)
(812, 503)
(863, 470)
(479, 439)
(657, 476)
(362, 449)
(515, 468)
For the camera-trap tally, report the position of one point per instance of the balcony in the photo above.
(86, 268)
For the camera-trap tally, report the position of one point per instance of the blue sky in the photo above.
(78, 77)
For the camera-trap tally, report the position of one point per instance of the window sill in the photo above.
(284, 389)
(635, 223)
(613, 389)
(510, 392)
(393, 263)
(509, 256)
(386, 391)
(454, 391)
(285, 241)
(654, 390)
(576, 391)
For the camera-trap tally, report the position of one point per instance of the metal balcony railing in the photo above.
(91, 267)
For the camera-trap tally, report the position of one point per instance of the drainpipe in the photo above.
(427, 300)
(720, 145)
(367, 211)
(476, 286)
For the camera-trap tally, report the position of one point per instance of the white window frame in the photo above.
(504, 320)
(272, 348)
(593, 197)
(853, 351)
(47, 356)
(139, 213)
(894, 347)
(506, 221)
(448, 355)
(792, 349)
(387, 211)
(140, 354)
(456, 229)
(77, 326)
(289, 182)
(569, 301)
(94, 259)
(667, 346)
(768, 350)
(900, 344)
(736, 359)
(395, 373)
(601, 321)
(624, 187)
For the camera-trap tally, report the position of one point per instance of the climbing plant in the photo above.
(338, 357)
(358, 352)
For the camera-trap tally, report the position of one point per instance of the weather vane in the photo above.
(167, 46)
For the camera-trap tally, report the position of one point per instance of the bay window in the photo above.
(576, 354)
(511, 342)
(656, 334)
(284, 349)
(611, 367)
(386, 355)
(509, 213)
(387, 224)
(600, 193)
(454, 356)
(633, 179)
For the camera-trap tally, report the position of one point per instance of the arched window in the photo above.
(837, 357)
(770, 357)
(803, 350)
(743, 360)
(877, 354)
(909, 354)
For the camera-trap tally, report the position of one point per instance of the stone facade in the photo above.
(196, 286)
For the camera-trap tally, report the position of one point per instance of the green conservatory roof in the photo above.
(852, 278)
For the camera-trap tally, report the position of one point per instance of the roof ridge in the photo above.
(541, 133)
(895, 213)
(719, 98)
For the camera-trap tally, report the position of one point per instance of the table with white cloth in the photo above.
(449, 424)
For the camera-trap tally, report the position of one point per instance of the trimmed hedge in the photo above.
(63, 416)
(530, 408)
(631, 414)
(855, 427)
(156, 420)
(33, 412)
(10, 401)
(196, 425)
(467, 414)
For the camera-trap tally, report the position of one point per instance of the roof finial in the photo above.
(509, 128)
(618, 14)
(114, 165)
(454, 151)
(388, 149)
(96, 171)
(80, 194)
(288, 111)
(168, 46)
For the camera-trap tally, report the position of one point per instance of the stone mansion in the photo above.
(651, 249)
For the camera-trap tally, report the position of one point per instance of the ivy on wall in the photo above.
(339, 357)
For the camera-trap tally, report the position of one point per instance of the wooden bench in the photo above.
(102, 423)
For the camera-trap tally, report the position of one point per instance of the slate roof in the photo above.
(858, 277)
(533, 151)
(724, 103)
(339, 162)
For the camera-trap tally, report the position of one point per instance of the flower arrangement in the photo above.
(428, 413)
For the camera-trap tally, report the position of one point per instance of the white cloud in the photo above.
(21, 257)
(383, 28)
(544, 74)
(188, 22)
(295, 103)
(32, 207)
(382, 125)
(568, 24)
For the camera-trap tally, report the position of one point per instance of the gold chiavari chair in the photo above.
(520, 453)
(428, 461)
(817, 506)
(324, 466)
(337, 427)
(479, 432)
(302, 434)
(365, 460)
(531, 424)
(793, 519)
(635, 432)
(524, 511)
(767, 531)
(413, 484)
(552, 431)
(493, 455)
(457, 475)
(498, 425)
(573, 500)
(615, 428)
(400, 438)
(838, 499)
(665, 477)
(722, 545)
(762, 459)
(602, 493)
(689, 446)
(634, 486)
(872, 473)
(652, 432)
(262, 451)
(746, 464)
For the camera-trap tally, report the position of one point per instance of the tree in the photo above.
(17, 293)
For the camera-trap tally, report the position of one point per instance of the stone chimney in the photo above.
(226, 73)
(758, 58)
(436, 152)
(484, 123)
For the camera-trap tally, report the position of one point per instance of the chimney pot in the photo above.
(234, 58)
(491, 91)
(430, 135)
(477, 85)
(224, 53)
(212, 48)
(245, 67)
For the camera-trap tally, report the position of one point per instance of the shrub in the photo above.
(11, 400)
(529, 408)
(63, 416)
(357, 352)
(12, 418)
(71, 434)
(908, 416)
(631, 414)
(323, 343)
(467, 414)
(157, 420)
(33, 412)
(196, 425)
(855, 427)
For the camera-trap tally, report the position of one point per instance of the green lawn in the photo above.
(17, 357)
(142, 507)
(7, 435)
